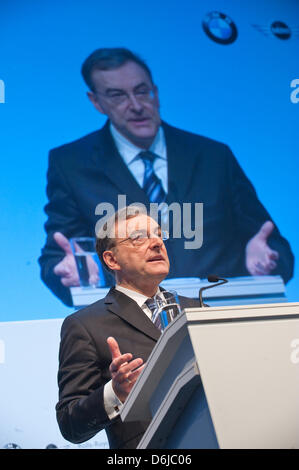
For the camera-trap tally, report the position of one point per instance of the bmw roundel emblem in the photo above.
(280, 30)
(220, 28)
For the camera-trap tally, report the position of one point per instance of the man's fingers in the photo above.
(67, 271)
(119, 362)
(270, 260)
(123, 369)
(70, 281)
(127, 368)
(269, 266)
(123, 380)
(63, 242)
(67, 268)
(265, 230)
(113, 346)
(262, 268)
(260, 258)
(274, 255)
(133, 376)
(62, 269)
(272, 265)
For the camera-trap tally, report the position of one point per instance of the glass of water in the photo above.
(88, 264)
(167, 308)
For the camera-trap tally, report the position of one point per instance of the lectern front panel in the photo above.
(251, 379)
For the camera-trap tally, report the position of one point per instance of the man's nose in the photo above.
(156, 242)
(135, 104)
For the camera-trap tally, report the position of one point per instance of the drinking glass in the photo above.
(88, 264)
(167, 308)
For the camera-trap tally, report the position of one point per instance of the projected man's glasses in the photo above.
(120, 97)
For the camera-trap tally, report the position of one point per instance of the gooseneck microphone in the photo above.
(211, 278)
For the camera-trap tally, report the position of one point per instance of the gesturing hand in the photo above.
(67, 269)
(260, 258)
(124, 370)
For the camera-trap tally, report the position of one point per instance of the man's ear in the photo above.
(93, 98)
(110, 260)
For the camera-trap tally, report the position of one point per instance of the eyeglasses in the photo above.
(119, 97)
(139, 237)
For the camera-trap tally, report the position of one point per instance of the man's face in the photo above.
(145, 262)
(130, 100)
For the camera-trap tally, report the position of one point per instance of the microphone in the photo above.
(211, 278)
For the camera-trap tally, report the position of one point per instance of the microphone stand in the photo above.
(214, 279)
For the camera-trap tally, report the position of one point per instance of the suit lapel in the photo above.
(127, 309)
(181, 162)
(109, 163)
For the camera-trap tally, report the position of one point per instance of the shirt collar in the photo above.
(129, 151)
(137, 296)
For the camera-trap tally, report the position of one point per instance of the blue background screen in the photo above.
(239, 94)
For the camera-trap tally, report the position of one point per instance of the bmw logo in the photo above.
(280, 30)
(220, 28)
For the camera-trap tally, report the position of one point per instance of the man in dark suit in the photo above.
(239, 236)
(104, 346)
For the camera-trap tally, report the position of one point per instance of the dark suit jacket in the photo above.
(90, 170)
(84, 360)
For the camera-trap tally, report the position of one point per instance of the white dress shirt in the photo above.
(129, 153)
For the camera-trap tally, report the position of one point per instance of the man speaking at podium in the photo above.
(239, 236)
(104, 346)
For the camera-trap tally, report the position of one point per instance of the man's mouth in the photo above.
(155, 258)
(139, 120)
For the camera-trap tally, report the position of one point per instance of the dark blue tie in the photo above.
(151, 183)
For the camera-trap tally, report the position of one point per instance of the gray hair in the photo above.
(106, 236)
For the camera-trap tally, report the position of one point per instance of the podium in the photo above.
(225, 377)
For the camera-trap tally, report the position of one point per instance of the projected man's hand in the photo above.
(260, 258)
(67, 269)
